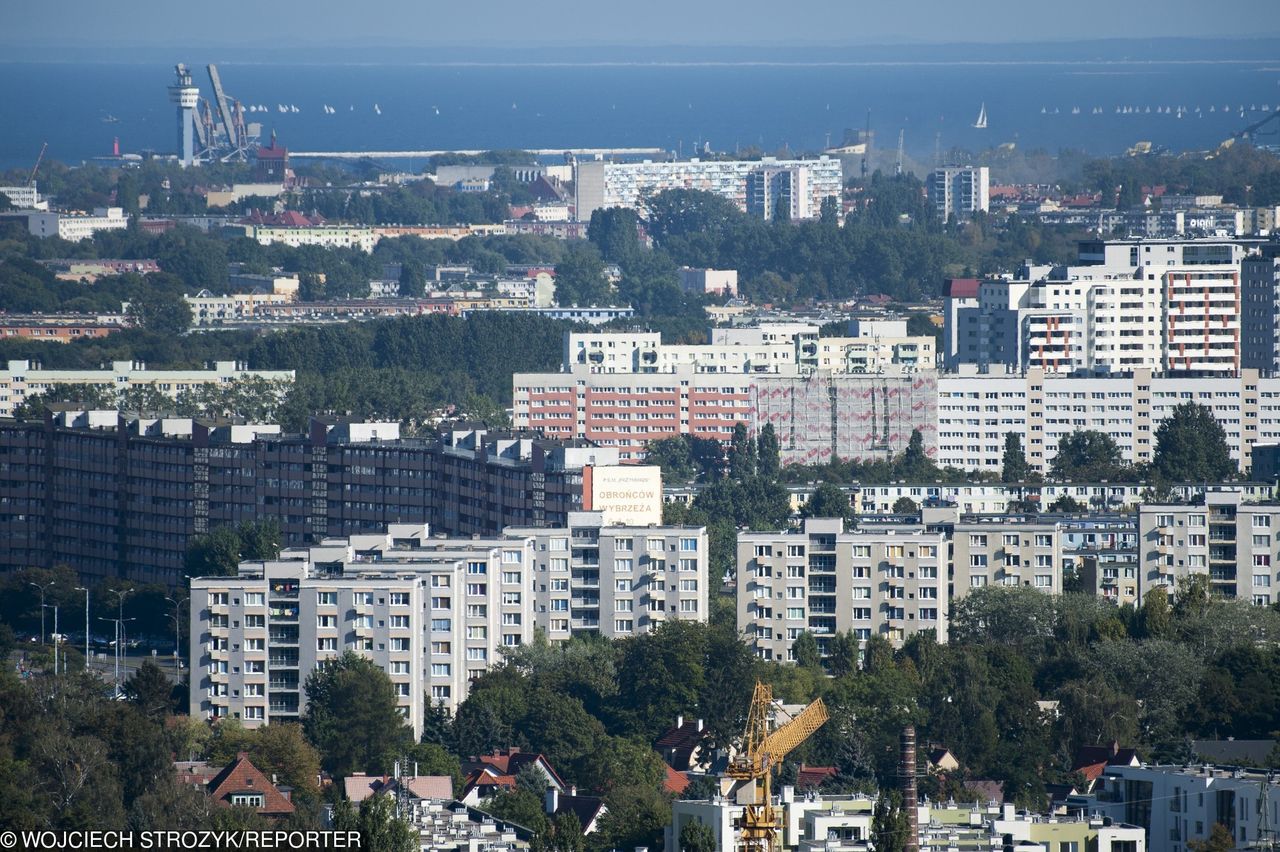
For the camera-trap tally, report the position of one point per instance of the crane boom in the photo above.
(31, 181)
(224, 110)
(780, 743)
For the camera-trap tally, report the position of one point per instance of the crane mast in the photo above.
(31, 181)
(762, 751)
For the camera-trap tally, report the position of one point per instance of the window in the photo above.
(441, 648)
(362, 598)
(688, 565)
(399, 598)
(688, 606)
(440, 581)
(1262, 541)
(977, 581)
(511, 578)
(362, 622)
(623, 544)
(623, 566)
(254, 667)
(477, 654)
(441, 602)
(978, 560)
(795, 612)
(476, 568)
(326, 621)
(622, 625)
(511, 618)
(255, 644)
(254, 599)
(217, 599)
(559, 604)
(329, 643)
(561, 584)
(510, 598)
(477, 611)
(1261, 522)
(688, 545)
(1044, 541)
(399, 622)
(977, 541)
(622, 605)
(255, 621)
(440, 625)
(657, 544)
(477, 589)
(558, 544)
(400, 667)
(477, 632)
(511, 640)
(1044, 581)
(512, 557)
(402, 690)
(440, 669)
(688, 585)
(254, 690)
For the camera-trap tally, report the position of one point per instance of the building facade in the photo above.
(1235, 544)
(68, 226)
(601, 184)
(959, 191)
(23, 379)
(434, 613)
(890, 581)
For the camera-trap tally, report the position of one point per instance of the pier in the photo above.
(538, 152)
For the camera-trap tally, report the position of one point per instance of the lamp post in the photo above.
(177, 643)
(56, 636)
(119, 623)
(85, 589)
(120, 619)
(42, 589)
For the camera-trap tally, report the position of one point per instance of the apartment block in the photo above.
(874, 346)
(890, 581)
(1234, 543)
(1166, 305)
(1260, 309)
(121, 496)
(959, 191)
(976, 409)
(22, 379)
(1005, 550)
(432, 613)
(807, 183)
(616, 581)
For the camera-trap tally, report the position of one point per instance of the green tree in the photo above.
(160, 311)
(1191, 446)
(214, 554)
(769, 452)
(149, 689)
(562, 834)
(613, 230)
(1219, 840)
(889, 823)
(828, 501)
(742, 454)
(1015, 468)
(352, 716)
(905, 506)
(915, 465)
(1086, 456)
(580, 278)
(413, 279)
(1156, 614)
(1066, 504)
(696, 837)
(380, 829)
(805, 649)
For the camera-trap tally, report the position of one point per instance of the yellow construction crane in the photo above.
(763, 750)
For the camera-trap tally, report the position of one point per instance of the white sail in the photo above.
(981, 123)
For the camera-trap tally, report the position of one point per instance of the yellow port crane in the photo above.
(763, 750)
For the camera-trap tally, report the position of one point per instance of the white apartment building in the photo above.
(326, 236)
(889, 581)
(1005, 551)
(1175, 805)
(1234, 543)
(875, 345)
(613, 580)
(719, 281)
(959, 191)
(71, 227)
(1163, 305)
(24, 197)
(22, 379)
(601, 184)
(977, 409)
(433, 613)
(780, 192)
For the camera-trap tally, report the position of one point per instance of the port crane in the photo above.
(762, 751)
(31, 181)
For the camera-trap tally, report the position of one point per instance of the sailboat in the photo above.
(981, 123)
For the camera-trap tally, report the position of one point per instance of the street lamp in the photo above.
(177, 644)
(42, 591)
(85, 589)
(119, 623)
(56, 636)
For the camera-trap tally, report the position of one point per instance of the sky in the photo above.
(498, 23)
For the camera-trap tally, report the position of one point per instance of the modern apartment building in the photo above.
(1260, 309)
(1166, 305)
(616, 581)
(874, 346)
(1234, 543)
(780, 192)
(601, 184)
(888, 581)
(432, 612)
(22, 379)
(1175, 805)
(122, 496)
(959, 191)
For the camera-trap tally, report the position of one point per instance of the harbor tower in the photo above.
(185, 95)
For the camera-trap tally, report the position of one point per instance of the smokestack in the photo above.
(907, 776)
